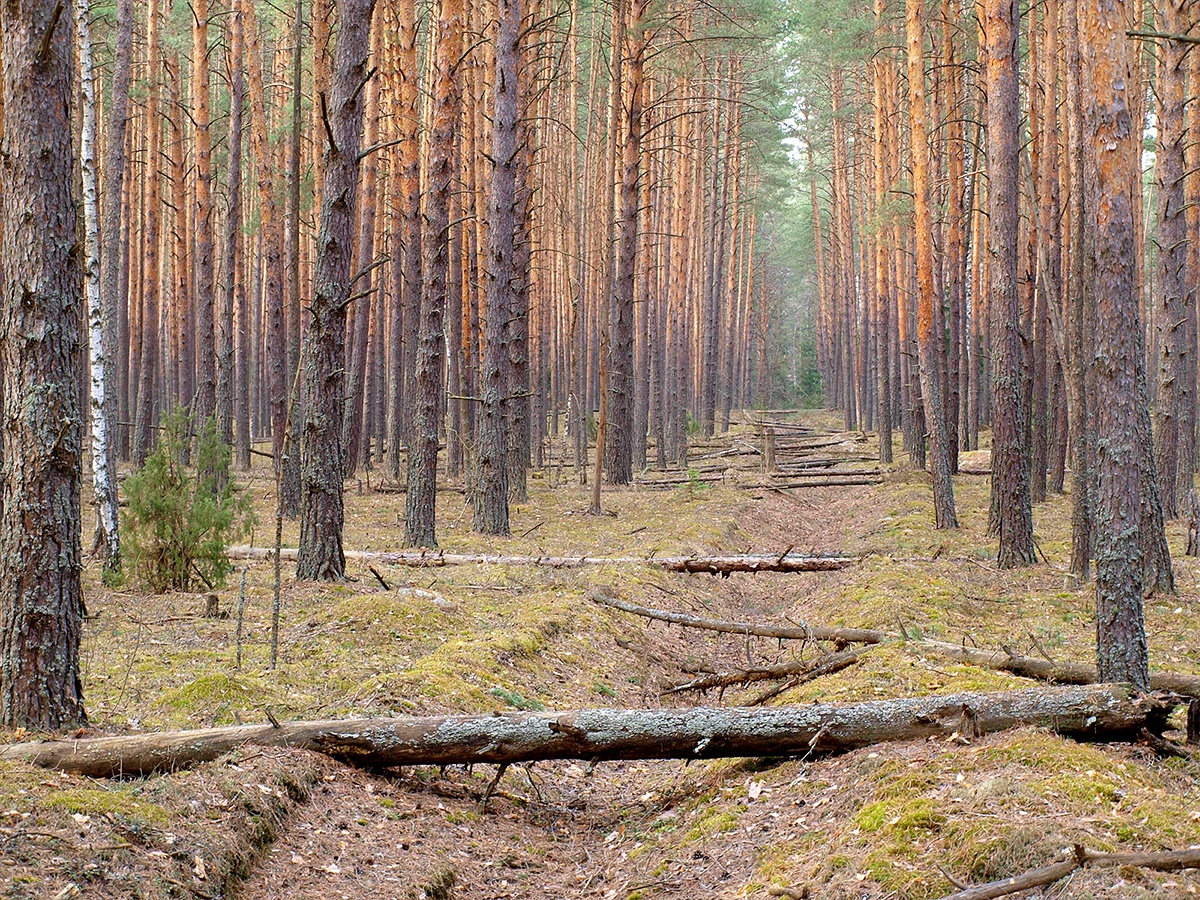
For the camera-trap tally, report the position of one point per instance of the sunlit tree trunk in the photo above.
(927, 341)
(1010, 414)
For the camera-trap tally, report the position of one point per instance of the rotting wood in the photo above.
(1090, 713)
(713, 565)
(1168, 861)
(793, 633)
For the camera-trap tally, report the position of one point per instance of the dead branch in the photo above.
(802, 670)
(1079, 858)
(802, 633)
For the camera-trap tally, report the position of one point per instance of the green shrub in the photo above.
(180, 522)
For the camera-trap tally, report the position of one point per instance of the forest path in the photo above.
(556, 830)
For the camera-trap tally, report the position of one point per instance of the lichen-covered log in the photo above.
(1101, 711)
(713, 565)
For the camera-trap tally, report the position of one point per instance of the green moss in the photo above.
(718, 821)
(114, 801)
(215, 698)
(900, 816)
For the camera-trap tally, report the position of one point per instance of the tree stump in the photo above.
(769, 450)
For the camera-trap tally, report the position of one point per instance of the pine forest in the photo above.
(619, 449)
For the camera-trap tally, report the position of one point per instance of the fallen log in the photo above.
(1000, 660)
(1169, 861)
(1046, 670)
(1090, 713)
(794, 633)
(797, 671)
(712, 565)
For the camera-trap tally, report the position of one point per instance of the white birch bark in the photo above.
(107, 539)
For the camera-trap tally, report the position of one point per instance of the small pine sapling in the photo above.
(180, 521)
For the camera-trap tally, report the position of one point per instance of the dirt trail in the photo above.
(567, 833)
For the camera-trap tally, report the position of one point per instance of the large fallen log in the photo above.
(713, 565)
(1167, 861)
(794, 633)
(1095, 712)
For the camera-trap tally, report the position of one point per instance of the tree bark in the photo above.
(928, 341)
(1174, 415)
(1091, 713)
(421, 498)
(1121, 631)
(233, 371)
(491, 502)
(112, 258)
(104, 482)
(320, 557)
(147, 381)
(202, 261)
(618, 447)
(406, 302)
(41, 444)
(1010, 413)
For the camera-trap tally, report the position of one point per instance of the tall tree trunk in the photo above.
(112, 197)
(1174, 413)
(233, 369)
(272, 239)
(41, 444)
(491, 503)
(1120, 632)
(104, 482)
(144, 423)
(1010, 414)
(420, 501)
(321, 510)
(362, 294)
(289, 487)
(928, 342)
(1079, 316)
(883, 300)
(619, 445)
(201, 116)
(407, 301)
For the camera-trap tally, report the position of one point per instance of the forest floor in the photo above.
(894, 820)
